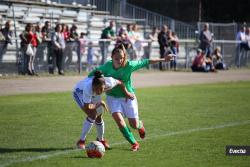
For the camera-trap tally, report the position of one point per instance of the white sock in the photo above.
(100, 130)
(87, 125)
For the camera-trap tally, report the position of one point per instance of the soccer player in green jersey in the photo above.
(119, 105)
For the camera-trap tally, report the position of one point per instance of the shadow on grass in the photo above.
(41, 150)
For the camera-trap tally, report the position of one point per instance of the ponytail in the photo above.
(98, 74)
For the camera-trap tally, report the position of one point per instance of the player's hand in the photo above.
(169, 57)
(130, 96)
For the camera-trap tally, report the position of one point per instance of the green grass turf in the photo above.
(42, 129)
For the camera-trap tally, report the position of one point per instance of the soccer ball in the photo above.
(95, 149)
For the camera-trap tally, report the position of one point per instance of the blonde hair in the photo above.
(218, 49)
(120, 49)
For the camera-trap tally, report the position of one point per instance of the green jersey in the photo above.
(107, 32)
(123, 74)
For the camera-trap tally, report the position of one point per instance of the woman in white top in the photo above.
(87, 95)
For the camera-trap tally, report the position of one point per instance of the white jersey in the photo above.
(84, 87)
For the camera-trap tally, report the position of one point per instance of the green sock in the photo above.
(128, 135)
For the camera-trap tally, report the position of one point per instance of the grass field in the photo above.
(186, 126)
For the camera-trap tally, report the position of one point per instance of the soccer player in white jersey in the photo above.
(87, 95)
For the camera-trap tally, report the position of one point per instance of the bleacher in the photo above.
(87, 20)
(38, 12)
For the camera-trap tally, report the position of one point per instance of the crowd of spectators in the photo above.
(137, 45)
(168, 43)
(34, 35)
(206, 59)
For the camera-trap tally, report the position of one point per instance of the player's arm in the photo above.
(91, 109)
(111, 83)
(138, 64)
(88, 106)
(166, 58)
(124, 89)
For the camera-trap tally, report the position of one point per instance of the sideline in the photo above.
(155, 136)
(140, 80)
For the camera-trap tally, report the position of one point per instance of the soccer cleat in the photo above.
(104, 143)
(81, 144)
(142, 131)
(135, 147)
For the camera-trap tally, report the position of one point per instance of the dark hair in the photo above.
(27, 26)
(57, 27)
(98, 78)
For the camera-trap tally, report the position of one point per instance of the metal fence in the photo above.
(75, 60)
(221, 31)
(127, 10)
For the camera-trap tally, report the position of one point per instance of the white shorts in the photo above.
(128, 108)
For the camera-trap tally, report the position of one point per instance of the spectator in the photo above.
(6, 34)
(174, 46)
(206, 39)
(136, 41)
(154, 34)
(137, 44)
(218, 60)
(90, 56)
(152, 37)
(73, 33)
(65, 31)
(38, 33)
(247, 38)
(38, 38)
(199, 62)
(130, 36)
(209, 64)
(46, 31)
(29, 43)
(82, 44)
(246, 47)
(58, 43)
(164, 43)
(107, 33)
(123, 38)
(241, 46)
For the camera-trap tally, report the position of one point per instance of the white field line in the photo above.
(46, 156)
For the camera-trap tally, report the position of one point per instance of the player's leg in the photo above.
(131, 112)
(115, 107)
(87, 123)
(87, 126)
(99, 123)
(117, 116)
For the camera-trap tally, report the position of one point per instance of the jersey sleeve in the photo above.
(136, 65)
(110, 83)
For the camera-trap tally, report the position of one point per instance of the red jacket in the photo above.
(32, 38)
